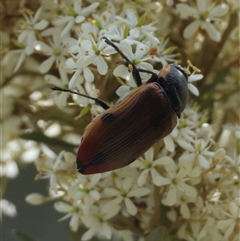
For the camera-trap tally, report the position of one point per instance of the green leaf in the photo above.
(22, 236)
(84, 111)
(40, 137)
(159, 234)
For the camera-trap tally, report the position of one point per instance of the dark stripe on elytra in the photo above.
(80, 167)
(108, 117)
(157, 119)
(102, 157)
(97, 159)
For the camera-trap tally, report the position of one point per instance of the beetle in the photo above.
(123, 132)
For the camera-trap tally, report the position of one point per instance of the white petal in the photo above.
(229, 232)
(184, 210)
(88, 234)
(213, 33)
(135, 33)
(143, 177)
(203, 161)
(41, 46)
(112, 212)
(149, 154)
(219, 10)
(131, 208)
(168, 141)
(88, 75)
(23, 36)
(188, 190)
(102, 67)
(111, 192)
(188, 158)
(74, 79)
(121, 71)
(41, 25)
(185, 145)
(62, 20)
(37, 14)
(127, 183)
(79, 19)
(193, 89)
(122, 90)
(139, 192)
(106, 231)
(202, 5)
(67, 27)
(224, 223)
(191, 29)
(234, 209)
(171, 198)
(186, 10)
(46, 64)
(127, 49)
(85, 61)
(112, 205)
(62, 207)
(87, 10)
(163, 161)
(140, 51)
(195, 77)
(95, 194)
(161, 181)
(8, 208)
(74, 222)
(20, 61)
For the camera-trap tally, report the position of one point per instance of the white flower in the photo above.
(148, 167)
(78, 71)
(137, 58)
(232, 222)
(205, 14)
(35, 198)
(59, 97)
(137, 28)
(106, 18)
(27, 33)
(164, 55)
(197, 151)
(184, 208)
(7, 208)
(53, 168)
(123, 194)
(176, 176)
(192, 78)
(10, 129)
(56, 52)
(72, 213)
(86, 191)
(76, 15)
(93, 54)
(23, 53)
(97, 224)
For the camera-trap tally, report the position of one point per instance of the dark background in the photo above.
(39, 222)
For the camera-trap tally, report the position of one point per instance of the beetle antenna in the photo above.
(98, 101)
(119, 51)
(130, 65)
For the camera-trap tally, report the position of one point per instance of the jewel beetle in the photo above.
(123, 132)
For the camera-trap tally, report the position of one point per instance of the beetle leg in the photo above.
(100, 102)
(129, 64)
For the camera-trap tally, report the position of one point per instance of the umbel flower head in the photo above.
(184, 187)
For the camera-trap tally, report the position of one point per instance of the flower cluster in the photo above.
(187, 182)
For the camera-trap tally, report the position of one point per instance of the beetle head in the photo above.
(173, 79)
